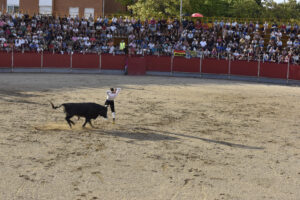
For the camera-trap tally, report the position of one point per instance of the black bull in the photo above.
(87, 110)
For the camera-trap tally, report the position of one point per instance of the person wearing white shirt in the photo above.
(114, 20)
(111, 95)
(112, 49)
(279, 43)
(296, 43)
(236, 54)
(190, 35)
(289, 43)
(113, 28)
(87, 44)
(233, 25)
(247, 37)
(203, 43)
(86, 38)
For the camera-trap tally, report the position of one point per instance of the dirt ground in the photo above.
(175, 139)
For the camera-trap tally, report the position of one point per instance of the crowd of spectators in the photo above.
(220, 39)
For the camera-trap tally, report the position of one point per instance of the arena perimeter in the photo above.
(174, 138)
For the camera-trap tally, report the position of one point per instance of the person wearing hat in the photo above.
(111, 95)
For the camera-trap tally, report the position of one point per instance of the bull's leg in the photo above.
(86, 121)
(70, 122)
(91, 124)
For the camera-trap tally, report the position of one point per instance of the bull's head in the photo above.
(103, 112)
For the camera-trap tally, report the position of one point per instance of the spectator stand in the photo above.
(224, 47)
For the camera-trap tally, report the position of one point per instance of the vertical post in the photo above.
(12, 59)
(103, 8)
(172, 60)
(180, 11)
(288, 72)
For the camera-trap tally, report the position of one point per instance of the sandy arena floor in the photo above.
(175, 139)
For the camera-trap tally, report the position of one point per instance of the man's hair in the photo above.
(112, 89)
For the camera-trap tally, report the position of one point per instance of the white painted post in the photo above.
(180, 10)
(103, 8)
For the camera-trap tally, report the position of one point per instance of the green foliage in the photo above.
(245, 9)
(157, 8)
(209, 8)
(218, 8)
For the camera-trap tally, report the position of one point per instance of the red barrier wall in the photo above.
(5, 59)
(139, 65)
(30, 60)
(294, 72)
(273, 70)
(56, 60)
(244, 68)
(111, 62)
(85, 61)
(214, 66)
(181, 64)
(136, 66)
(160, 64)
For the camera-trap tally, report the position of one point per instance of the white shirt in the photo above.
(111, 49)
(203, 43)
(111, 96)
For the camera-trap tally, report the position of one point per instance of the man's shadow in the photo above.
(152, 135)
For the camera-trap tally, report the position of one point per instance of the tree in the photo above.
(158, 8)
(219, 8)
(209, 8)
(289, 10)
(245, 9)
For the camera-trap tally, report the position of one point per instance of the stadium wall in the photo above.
(61, 7)
(141, 65)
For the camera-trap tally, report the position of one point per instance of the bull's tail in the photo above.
(55, 107)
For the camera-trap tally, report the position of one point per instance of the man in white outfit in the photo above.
(111, 95)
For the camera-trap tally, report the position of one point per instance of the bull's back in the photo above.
(90, 110)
